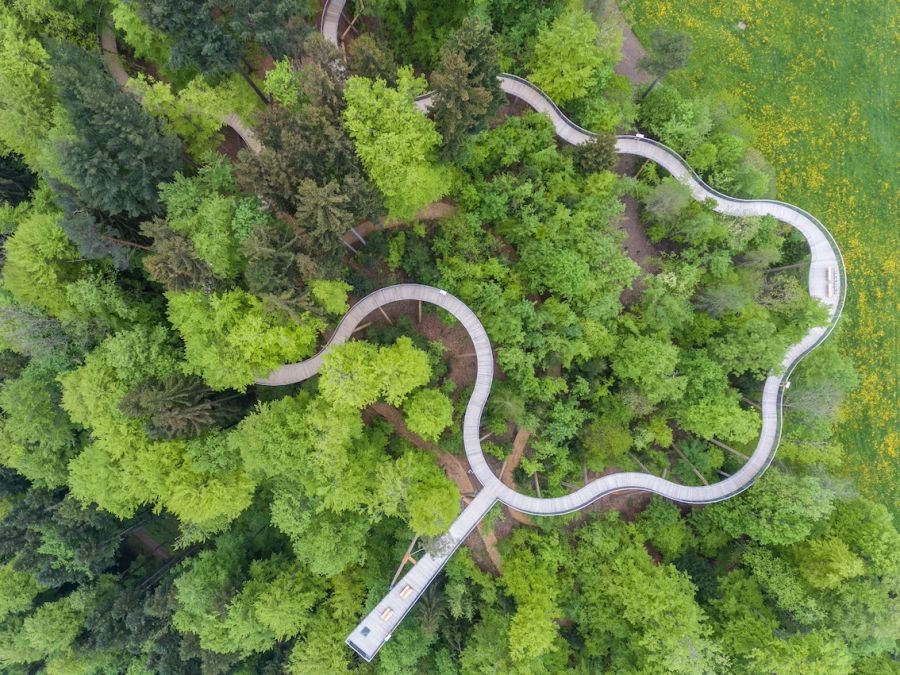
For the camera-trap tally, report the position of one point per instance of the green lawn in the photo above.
(818, 81)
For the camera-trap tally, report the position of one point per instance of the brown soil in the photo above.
(457, 469)
(489, 539)
(629, 503)
(434, 211)
(506, 475)
(150, 546)
(263, 65)
(638, 247)
(482, 543)
(632, 49)
(512, 461)
(232, 145)
(513, 107)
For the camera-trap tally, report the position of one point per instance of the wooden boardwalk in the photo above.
(827, 284)
(109, 50)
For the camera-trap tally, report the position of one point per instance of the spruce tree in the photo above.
(119, 154)
(465, 84)
(181, 406)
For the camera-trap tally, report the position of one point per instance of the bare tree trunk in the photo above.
(693, 468)
(650, 88)
(751, 402)
(639, 463)
(786, 267)
(125, 242)
(256, 90)
(731, 450)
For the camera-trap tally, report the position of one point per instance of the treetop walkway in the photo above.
(827, 284)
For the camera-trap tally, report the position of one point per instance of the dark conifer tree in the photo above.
(465, 83)
(182, 406)
(119, 155)
(174, 262)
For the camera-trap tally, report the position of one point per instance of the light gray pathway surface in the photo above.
(827, 284)
(110, 51)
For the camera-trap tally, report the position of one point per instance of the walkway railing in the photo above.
(376, 628)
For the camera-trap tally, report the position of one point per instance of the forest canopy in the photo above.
(171, 239)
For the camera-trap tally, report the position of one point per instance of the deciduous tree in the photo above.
(396, 143)
(566, 60)
(428, 413)
(230, 340)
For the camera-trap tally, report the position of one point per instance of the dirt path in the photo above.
(512, 461)
(510, 465)
(456, 470)
(434, 211)
(632, 49)
(638, 247)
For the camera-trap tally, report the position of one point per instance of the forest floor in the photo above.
(483, 543)
(816, 79)
(147, 544)
(632, 49)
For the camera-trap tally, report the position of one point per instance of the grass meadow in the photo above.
(818, 81)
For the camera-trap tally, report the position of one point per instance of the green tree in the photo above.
(667, 51)
(566, 61)
(465, 84)
(227, 601)
(331, 296)
(369, 57)
(606, 443)
(415, 488)
(17, 591)
(650, 363)
(661, 523)
(278, 271)
(307, 144)
(825, 563)
(358, 373)
(36, 437)
(779, 509)
(639, 615)
(229, 340)
(208, 209)
(119, 154)
(29, 107)
(402, 367)
(196, 39)
(667, 199)
(324, 215)
(173, 260)
(181, 406)
(47, 632)
(349, 376)
(680, 123)
(40, 262)
(59, 541)
(598, 154)
(428, 413)
(532, 574)
(396, 144)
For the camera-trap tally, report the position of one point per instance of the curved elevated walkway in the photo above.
(109, 49)
(827, 284)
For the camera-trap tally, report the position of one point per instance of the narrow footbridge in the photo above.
(827, 284)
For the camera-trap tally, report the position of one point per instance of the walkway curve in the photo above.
(109, 49)
(827, 284)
